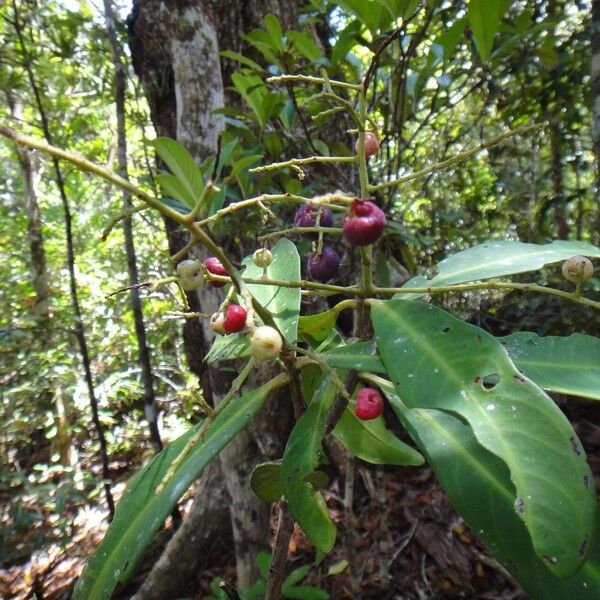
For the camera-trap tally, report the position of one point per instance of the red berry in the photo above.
(306, 216)
(324, 267)
(364, 224)
(235, 319)
(213, 265)
(369, 404)
(371, 144)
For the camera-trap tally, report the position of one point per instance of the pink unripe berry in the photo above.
(235, 318)
(364, 224)
(371, 144)
(369, 404)
(213, 265)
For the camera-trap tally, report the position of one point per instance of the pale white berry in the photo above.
(190, 274)
(265, 343)
(216, 323)
(577, 269)
(262, 258)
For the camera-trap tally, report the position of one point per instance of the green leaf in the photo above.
(252, 90)
(437, 361)
(273, 27)
(567, 365)
(176, 205)
(484, 18)
(171, 186)
(305, 46)
(372, 441)
(318, 326)
(360, 356)
(141, 512)
(267, 484)
(304, 592)
(296, 576)
(265, 481)
(229, 347)
(479, 487)
(499, 258)
(303, 454)
(338, 568)
(241, 58)
(182, 165)
(283, 303)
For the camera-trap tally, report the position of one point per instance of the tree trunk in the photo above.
(596, 101)
(37, 263)
(175, 52)
(68, 219)
(120, 81)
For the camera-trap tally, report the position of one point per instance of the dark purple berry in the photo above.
(324, 267)
(306, 216)
(364, 224)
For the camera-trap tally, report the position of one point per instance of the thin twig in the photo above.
(456, 158)
(285, 527)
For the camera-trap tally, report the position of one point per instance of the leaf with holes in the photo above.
(499, 259)
(567, 365)
(479, 487)
(141, 511)
(303, 454)
(437, 361)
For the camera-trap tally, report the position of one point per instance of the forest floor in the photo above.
(428, 550)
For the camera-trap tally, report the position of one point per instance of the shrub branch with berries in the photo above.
(475, 406)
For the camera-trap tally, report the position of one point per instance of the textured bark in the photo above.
(596, 98)
(175, 52)
(37, 263)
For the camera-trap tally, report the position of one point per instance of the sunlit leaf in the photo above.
(141, 511)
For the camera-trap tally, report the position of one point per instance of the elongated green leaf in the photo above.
(283, 303)
(266, 481)
(372, 441)
(484, 19)
(360, 356)
(568, 365)
(318, 326)
(437, 361)
(182, 165)
(176, 205)
(229, 347)
(141, 512)
(499, 259)
(273, 27)
(241, 58)
(303, 454)
(480, 489)
(171, 186)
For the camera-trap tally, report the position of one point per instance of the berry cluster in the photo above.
(362, 225)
